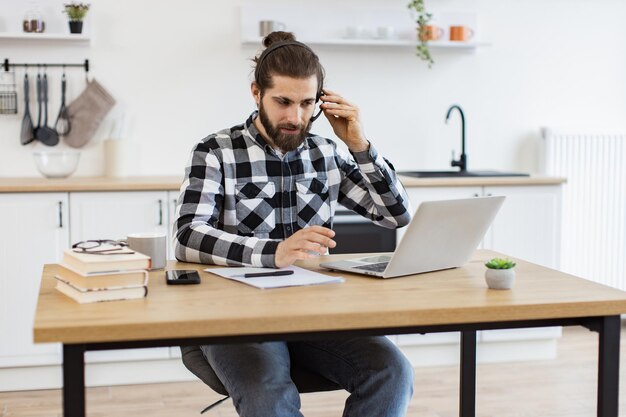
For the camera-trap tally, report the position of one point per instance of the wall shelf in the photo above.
(378, 42)
(332, 29)
(60, 37)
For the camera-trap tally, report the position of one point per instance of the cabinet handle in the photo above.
(489, 195)
(60, 215)
(160, 212)
(476, 195)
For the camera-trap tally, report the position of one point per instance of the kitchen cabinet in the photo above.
(172, 200)
(36, 231)
(527, 226)
(114, 215)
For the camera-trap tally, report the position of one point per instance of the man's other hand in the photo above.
(302, 245)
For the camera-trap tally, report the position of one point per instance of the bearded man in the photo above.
(263, 194)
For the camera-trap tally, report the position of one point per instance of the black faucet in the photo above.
(462, 161)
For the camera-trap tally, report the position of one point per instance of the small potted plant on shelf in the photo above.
(422, 18)
(76, 12)
(500, 274)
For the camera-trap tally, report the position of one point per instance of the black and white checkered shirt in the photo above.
(240, 198)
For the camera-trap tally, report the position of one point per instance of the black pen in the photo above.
(268, 274)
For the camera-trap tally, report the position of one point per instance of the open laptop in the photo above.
(441, 235)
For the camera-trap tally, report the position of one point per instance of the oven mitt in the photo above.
(86, 113)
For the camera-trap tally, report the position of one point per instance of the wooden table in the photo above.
(219, 310)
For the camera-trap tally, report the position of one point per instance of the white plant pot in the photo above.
(500, 279)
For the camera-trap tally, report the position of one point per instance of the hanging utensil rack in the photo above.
(8, 65)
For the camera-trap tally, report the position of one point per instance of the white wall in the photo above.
(180, 72)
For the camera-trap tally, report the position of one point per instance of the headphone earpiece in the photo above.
(317, 99)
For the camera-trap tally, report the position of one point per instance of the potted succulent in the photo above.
(422, 18)
(76, 12)
(500, 274)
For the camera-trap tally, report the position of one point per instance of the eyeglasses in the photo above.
(102, 247)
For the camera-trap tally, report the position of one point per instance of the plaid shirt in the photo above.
(240, 199)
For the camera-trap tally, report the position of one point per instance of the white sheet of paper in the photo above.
(300, 276)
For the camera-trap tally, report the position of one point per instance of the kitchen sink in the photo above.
(442, 174)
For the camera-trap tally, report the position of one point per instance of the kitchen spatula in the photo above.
(27, 134)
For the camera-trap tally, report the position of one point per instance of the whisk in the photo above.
(8, 93)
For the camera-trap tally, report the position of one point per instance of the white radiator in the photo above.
(594, 203)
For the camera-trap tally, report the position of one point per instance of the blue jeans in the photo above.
(257, 375)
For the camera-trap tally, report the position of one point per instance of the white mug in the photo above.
(150, 244)
(385, 32)
(268, 26)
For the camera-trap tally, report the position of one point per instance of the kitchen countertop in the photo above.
(38, 184)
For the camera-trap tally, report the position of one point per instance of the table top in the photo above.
(220, 307)
(173, 183)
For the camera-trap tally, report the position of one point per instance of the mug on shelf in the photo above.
(355, 32)
(386, 32)
(268, 26)
(461, 33)
(431, 33)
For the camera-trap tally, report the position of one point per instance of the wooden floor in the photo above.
(564, 387)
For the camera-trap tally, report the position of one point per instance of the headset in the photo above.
(278, 45)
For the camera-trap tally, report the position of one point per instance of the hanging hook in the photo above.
(87, 71)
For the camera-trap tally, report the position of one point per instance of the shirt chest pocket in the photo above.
(256, 213)
(313, 202)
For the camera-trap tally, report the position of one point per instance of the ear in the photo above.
(256, 93)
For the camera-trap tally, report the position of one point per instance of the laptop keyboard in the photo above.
(379, 267)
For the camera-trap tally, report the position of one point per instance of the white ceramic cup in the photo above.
(150, 244)
(386, 32)
(355, 32)
(268, 26)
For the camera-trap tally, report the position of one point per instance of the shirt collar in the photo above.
(258, 138)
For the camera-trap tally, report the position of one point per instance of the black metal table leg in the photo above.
(73, 380)
(467, 406)
(608, 366)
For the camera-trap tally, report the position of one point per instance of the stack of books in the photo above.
(89, 278)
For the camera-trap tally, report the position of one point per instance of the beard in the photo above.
(285, 141)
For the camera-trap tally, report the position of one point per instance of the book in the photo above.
(85, 263)
(95, 280)
(84, 295)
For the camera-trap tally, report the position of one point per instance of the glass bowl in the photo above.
(56, 164)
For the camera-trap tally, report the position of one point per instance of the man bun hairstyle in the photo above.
(284, 55)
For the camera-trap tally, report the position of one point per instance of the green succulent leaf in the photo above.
(499, 263)
(76, 11)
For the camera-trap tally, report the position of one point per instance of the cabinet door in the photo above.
(172, 198)
(417, 195)
(528, 227)
(114, 215)
(35, 232)
(528, 224)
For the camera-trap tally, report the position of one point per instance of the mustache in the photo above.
(290, 126)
